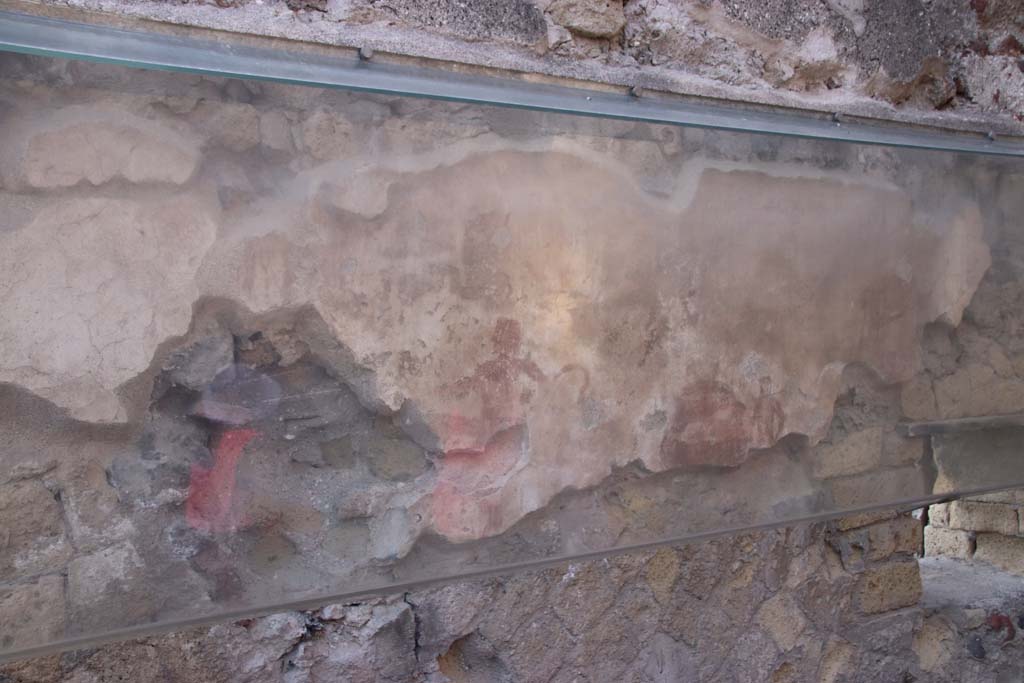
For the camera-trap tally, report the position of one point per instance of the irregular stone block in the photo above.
(861, 546)
(938, 515)
(34, 465)
(364, 194)
(661, 572)
(976, 389)
(901, 535)
(1005, 552)
(80, 144)
(973, 618)
(917, 399)
(276, 131)
(95, 515)
(486, 22)
(376, 650)
(893, 630)
(32, 613)
(783, 620)
(863, 519)
(888, 587)
(853, 547)
(858, 452)
(591, 18)
(934, 643)
(973, 516)
(32, 538)
(327, 135)
(835, 660)
(196, 366)
(898, 450)
(878, 486)
(132, 661)
(233, 124)
(99, 577)
(947, 543)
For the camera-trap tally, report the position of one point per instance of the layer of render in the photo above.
(535, 301)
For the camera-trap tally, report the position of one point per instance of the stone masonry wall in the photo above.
(984, 528)
(834, 603)
(952, 62)
(976, 369)
(812, 603)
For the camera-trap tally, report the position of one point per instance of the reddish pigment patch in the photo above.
(211, 491)
(493, 398)
(1010, 46)
(997, 622)
(461, 506)
(711, 426)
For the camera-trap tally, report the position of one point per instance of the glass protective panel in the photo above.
(265, 344)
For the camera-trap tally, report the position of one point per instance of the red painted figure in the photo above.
(211, 491)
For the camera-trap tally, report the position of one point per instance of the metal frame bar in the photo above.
(49, 36)
(962, 424)
(181, 623)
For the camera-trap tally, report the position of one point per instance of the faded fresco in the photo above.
(260, 342)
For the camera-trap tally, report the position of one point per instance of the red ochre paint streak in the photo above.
(211, 491)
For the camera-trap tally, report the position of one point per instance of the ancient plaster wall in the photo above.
(808, 604)
(422, 322)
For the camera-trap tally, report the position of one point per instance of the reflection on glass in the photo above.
(262, 344)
